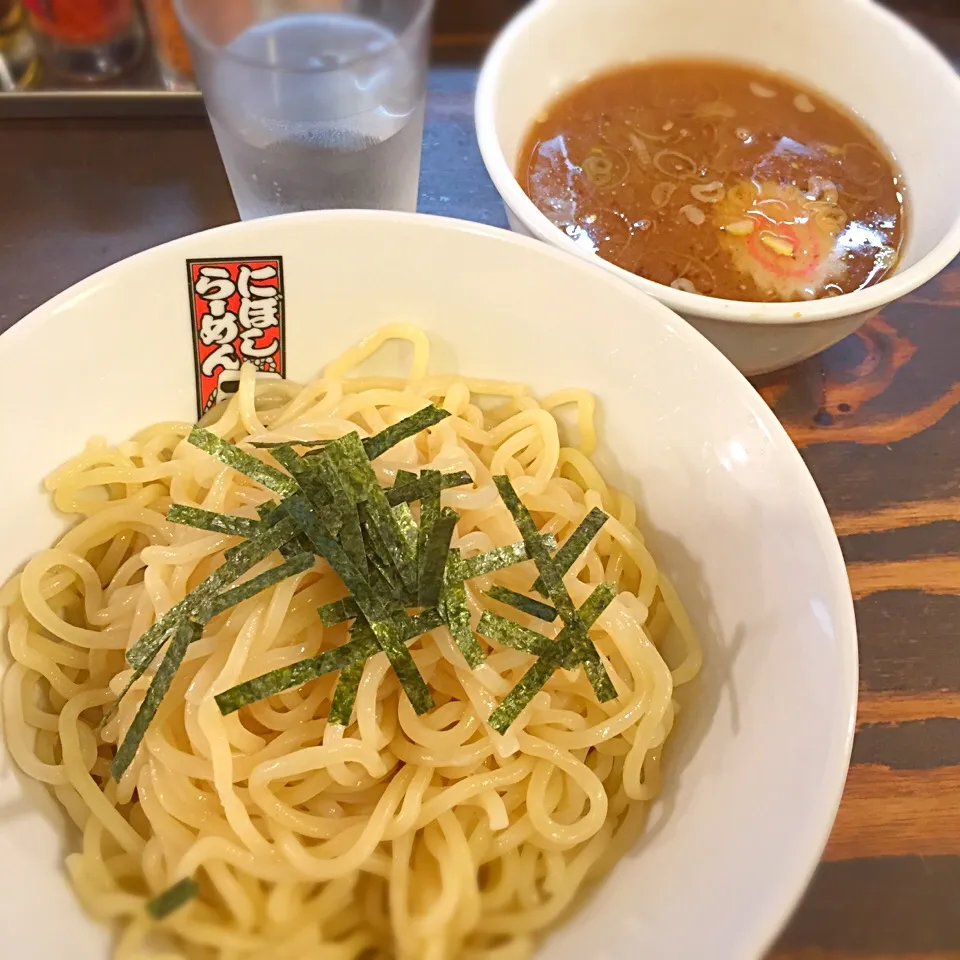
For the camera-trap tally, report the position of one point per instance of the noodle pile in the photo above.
(426, 837)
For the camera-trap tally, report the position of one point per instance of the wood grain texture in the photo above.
(877, 419)
(880, 707)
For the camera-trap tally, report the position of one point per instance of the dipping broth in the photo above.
(718, 179)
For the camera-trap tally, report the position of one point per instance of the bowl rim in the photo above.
(800, 313)
(779, 908)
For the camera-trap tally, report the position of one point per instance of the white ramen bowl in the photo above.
(754, 776)
(854, 50)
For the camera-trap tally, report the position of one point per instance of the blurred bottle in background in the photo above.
(170, 45)
(88, 39)
(19, 63)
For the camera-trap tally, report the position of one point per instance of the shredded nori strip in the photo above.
(246, 555)
(529, 685)
(273, 444)
(249, 588)
(410, 492)
(363, 644)
(338, 612)
(557, 592)
(404, 515)
(386, 536)
(345, 694)
(344, 506)
(309, 477)
(523, 603)
(432, 558)
(408, 527)
(379, 611)
(215, 522)
(173, 898)
(380, 443)
(456, 611)
(263, 687)
(385, 581)
(373, 606)
(391, 638)
(510, 634)
(393, 547)
(590, 611)
(244, 462)
(271, 514)
(576, 543)
(187, 632)
(334, 507)
(501, 558)
(421, 623)
(224, 601)
(560, 652)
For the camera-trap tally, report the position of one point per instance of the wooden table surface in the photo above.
(877, 419)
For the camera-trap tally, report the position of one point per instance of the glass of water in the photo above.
(316, 104)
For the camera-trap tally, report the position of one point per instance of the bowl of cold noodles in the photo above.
(776, 179)
(381, 588)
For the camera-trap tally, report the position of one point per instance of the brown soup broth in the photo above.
(718, 179)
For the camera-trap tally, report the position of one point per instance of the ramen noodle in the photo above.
(395, 835)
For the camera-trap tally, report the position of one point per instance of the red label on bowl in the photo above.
(237, 310)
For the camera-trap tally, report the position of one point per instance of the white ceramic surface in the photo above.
(756, 772)
(854, 50)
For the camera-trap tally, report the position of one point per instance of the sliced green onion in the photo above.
(187, 632)
(380, 443)
(173, 898)
(523, 603)
(457, 611)
(244, 462)
(576, 543)
(215, 522)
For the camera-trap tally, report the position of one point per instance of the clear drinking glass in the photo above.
(315, 104)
